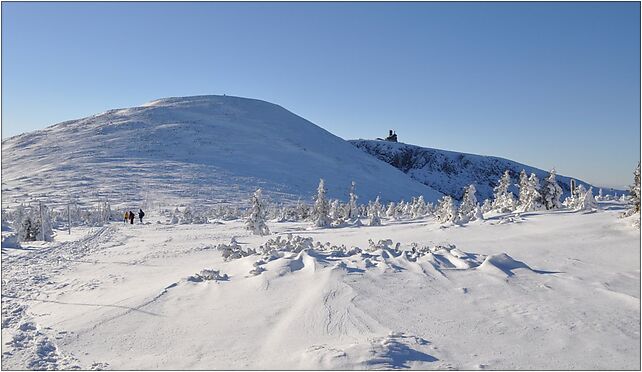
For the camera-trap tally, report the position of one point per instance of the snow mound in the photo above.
(502, 264)
(393, 351)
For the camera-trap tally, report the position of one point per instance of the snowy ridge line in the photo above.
(449, 172)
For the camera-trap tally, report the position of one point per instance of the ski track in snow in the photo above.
(443, 308)
(26, 278)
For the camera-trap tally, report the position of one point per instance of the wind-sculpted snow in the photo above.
(383, 254)
(450, 172)
(192, 150)
(405, 295)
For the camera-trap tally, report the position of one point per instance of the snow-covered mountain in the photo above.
(449, 172)
(203, 149)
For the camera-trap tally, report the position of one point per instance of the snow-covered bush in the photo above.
(487, 206)
(418, 208)
(529, 196)
(257, 215)
(446, 211)
(391, 211)
(469, 209)
(208, 274)
(551, 192)
(336, 213)
(633, 199)
(291, 243)
(33, 223)
(233, 250)
(523, 186)
(351, 208)
(320, 213)
(504, 200)
(581, 199)
(374, 213)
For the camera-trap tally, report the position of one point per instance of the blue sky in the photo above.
(546, 84)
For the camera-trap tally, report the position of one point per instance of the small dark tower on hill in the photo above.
(392, 136)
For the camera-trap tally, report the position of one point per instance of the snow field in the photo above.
(482, 295)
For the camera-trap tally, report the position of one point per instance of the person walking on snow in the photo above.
(126, 216)
(141, 214)
(131, 217)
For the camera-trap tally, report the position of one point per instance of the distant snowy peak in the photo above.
(448, 171)
(194, 150)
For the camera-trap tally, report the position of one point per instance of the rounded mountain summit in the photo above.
(201, 149)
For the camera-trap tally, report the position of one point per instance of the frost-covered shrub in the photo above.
(581, 199)
(551, 192)
(320, 213)
(291, 243)
(634, 194)
(418, 208)
(385, 244)
(530, 198)
(208, 274)
(32, 223)
(469, 209)
(446, 211)
(487, 206)
(374, 213)
(504, 200)
(256, 219)
(351, 210)
(233, 250)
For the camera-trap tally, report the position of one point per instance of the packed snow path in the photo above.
(541, 291)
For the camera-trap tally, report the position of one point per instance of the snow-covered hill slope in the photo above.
(203, 149)
(449, 172)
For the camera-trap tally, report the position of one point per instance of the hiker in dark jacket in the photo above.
(141, 214)
(131, 217)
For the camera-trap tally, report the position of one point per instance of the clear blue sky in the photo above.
(546, 84)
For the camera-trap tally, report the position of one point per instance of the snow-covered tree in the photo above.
(588, 201)
(550, 192)
(504, 200)
(487, 206)
(336, 212)
(391, 212)
(446, 211)
(581, 199)
(256, 217)
(529, 197)
(468, 207)
(374, 213)
(401, 207)
(634, 194)
(523, 187)
(33, 224)
(351, 207)
(321, 210)
(418, 209)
